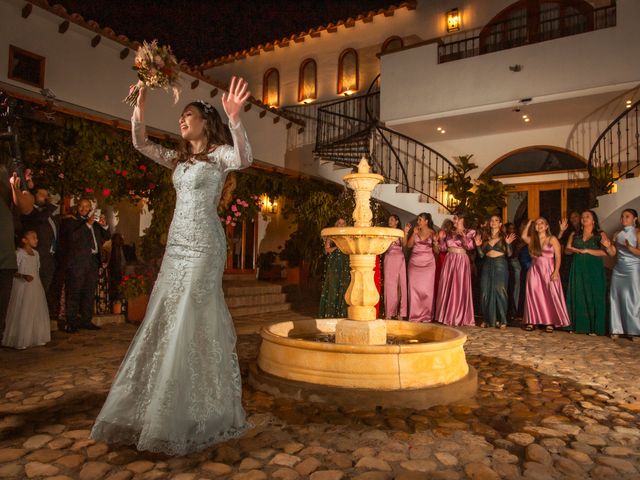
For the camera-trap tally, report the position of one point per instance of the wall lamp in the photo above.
(454, 20)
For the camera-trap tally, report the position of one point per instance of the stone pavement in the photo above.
(549, 406)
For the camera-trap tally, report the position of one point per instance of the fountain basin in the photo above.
(362, 240)
(437, 359)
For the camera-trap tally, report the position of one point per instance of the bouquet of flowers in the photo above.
(240, 210)
(134, 285)
(157, 67)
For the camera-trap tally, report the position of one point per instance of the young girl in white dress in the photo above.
(27, 322)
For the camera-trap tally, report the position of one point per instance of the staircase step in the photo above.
(235, 289)
(258, 309)
(255, 300)
(238, 276)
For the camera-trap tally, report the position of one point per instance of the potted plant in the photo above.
(135, 288)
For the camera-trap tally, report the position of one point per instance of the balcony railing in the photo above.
(517, 31)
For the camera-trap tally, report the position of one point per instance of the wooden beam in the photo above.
(300, 130)
(263, 113)
(63, 27)
(213, 93)
(195, 84)
(95, 41)
(247, 107)
(276, 120)
(288, 126)
(26, 10)
(124, 53)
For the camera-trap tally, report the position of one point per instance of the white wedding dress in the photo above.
(179, 389)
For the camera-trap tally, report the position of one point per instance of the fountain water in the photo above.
(422, 365)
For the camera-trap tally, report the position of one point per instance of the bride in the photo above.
(178, 389)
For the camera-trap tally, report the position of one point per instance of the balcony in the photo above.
(524, 29)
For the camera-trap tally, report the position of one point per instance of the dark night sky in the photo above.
(200, 30)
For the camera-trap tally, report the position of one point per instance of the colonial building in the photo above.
(543, 93)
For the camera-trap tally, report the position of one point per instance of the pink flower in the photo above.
(228, 221)
(228, 218)
(245, 204)
(233, 224)
(88, 190)
(237, 214)
(238, 200)
(61, 175)
(117, 172)
(143, 168)
(124, 173)
(106, 192)
(234, 208)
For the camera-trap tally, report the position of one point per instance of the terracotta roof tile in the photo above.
(313, 32)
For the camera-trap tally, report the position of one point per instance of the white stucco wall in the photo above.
(562, 68)
(96, 78)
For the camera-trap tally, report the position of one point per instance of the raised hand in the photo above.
(564, 224)
(407, 227)
(233, 101)
(604, 240)
(15, 182)
(478, 240)
(510, 238)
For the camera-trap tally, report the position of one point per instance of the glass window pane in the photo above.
(577, 199)
(551, 208)
(518, 208)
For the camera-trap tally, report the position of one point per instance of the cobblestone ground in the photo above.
(549, 406)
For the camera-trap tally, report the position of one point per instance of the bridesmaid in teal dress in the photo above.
(494, 247)
(586, 299)
(337, 275)
(625, 279)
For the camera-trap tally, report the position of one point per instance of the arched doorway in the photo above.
(544, 181)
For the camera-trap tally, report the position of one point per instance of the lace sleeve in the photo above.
(239, 155)
(159, 154)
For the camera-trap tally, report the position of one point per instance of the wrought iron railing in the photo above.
(350, 129)
(616, 152)
(516, 32)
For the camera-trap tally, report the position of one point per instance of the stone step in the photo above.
(241, 277)
(234, 289)
(101, 320)
(248, 300)
(258, 309)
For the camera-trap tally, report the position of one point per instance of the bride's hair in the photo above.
(215, 131)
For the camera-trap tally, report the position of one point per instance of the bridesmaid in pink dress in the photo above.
(422, 269)
(442, 254)
(544, 301)
(395, 277)
(454, 304)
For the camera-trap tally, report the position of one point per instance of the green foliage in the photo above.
(601, 179)
(478, 199)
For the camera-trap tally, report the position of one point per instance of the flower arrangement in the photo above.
(134, 285)
(157, 67)
(239, 210)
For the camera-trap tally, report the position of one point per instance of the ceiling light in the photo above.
(527, 119)
(525, 116)
(442, 131)
(439, 128)
(628, 103)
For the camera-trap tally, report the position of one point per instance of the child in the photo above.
(27, 315)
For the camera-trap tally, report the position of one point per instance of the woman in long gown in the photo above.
(422, 269)
(494, 247)
(179, 389)
(624, 294)
(454, 302)
(337, 275)
(395, 276)
(587, 295)
(27, 323)
(447, 225)
(567, 227)
(544, 300)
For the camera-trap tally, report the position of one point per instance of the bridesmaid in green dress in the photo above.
(337, 275)
(586, 299)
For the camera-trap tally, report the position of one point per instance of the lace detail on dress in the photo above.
(179, 388)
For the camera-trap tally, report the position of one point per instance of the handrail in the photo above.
(606, 163)
(349, 128)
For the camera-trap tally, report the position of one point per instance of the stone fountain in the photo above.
(363, 361)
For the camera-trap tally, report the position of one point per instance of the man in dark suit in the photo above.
(44, 222)
(85, 236)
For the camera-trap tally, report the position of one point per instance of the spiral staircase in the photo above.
(614, 168)
(349, 129)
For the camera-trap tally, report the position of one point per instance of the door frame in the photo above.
(533, 197)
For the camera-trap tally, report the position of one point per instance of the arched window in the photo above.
(537, 159)
(532, 21)
(391, 44)
(308, 81)
(271, 88)
(348, 72)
